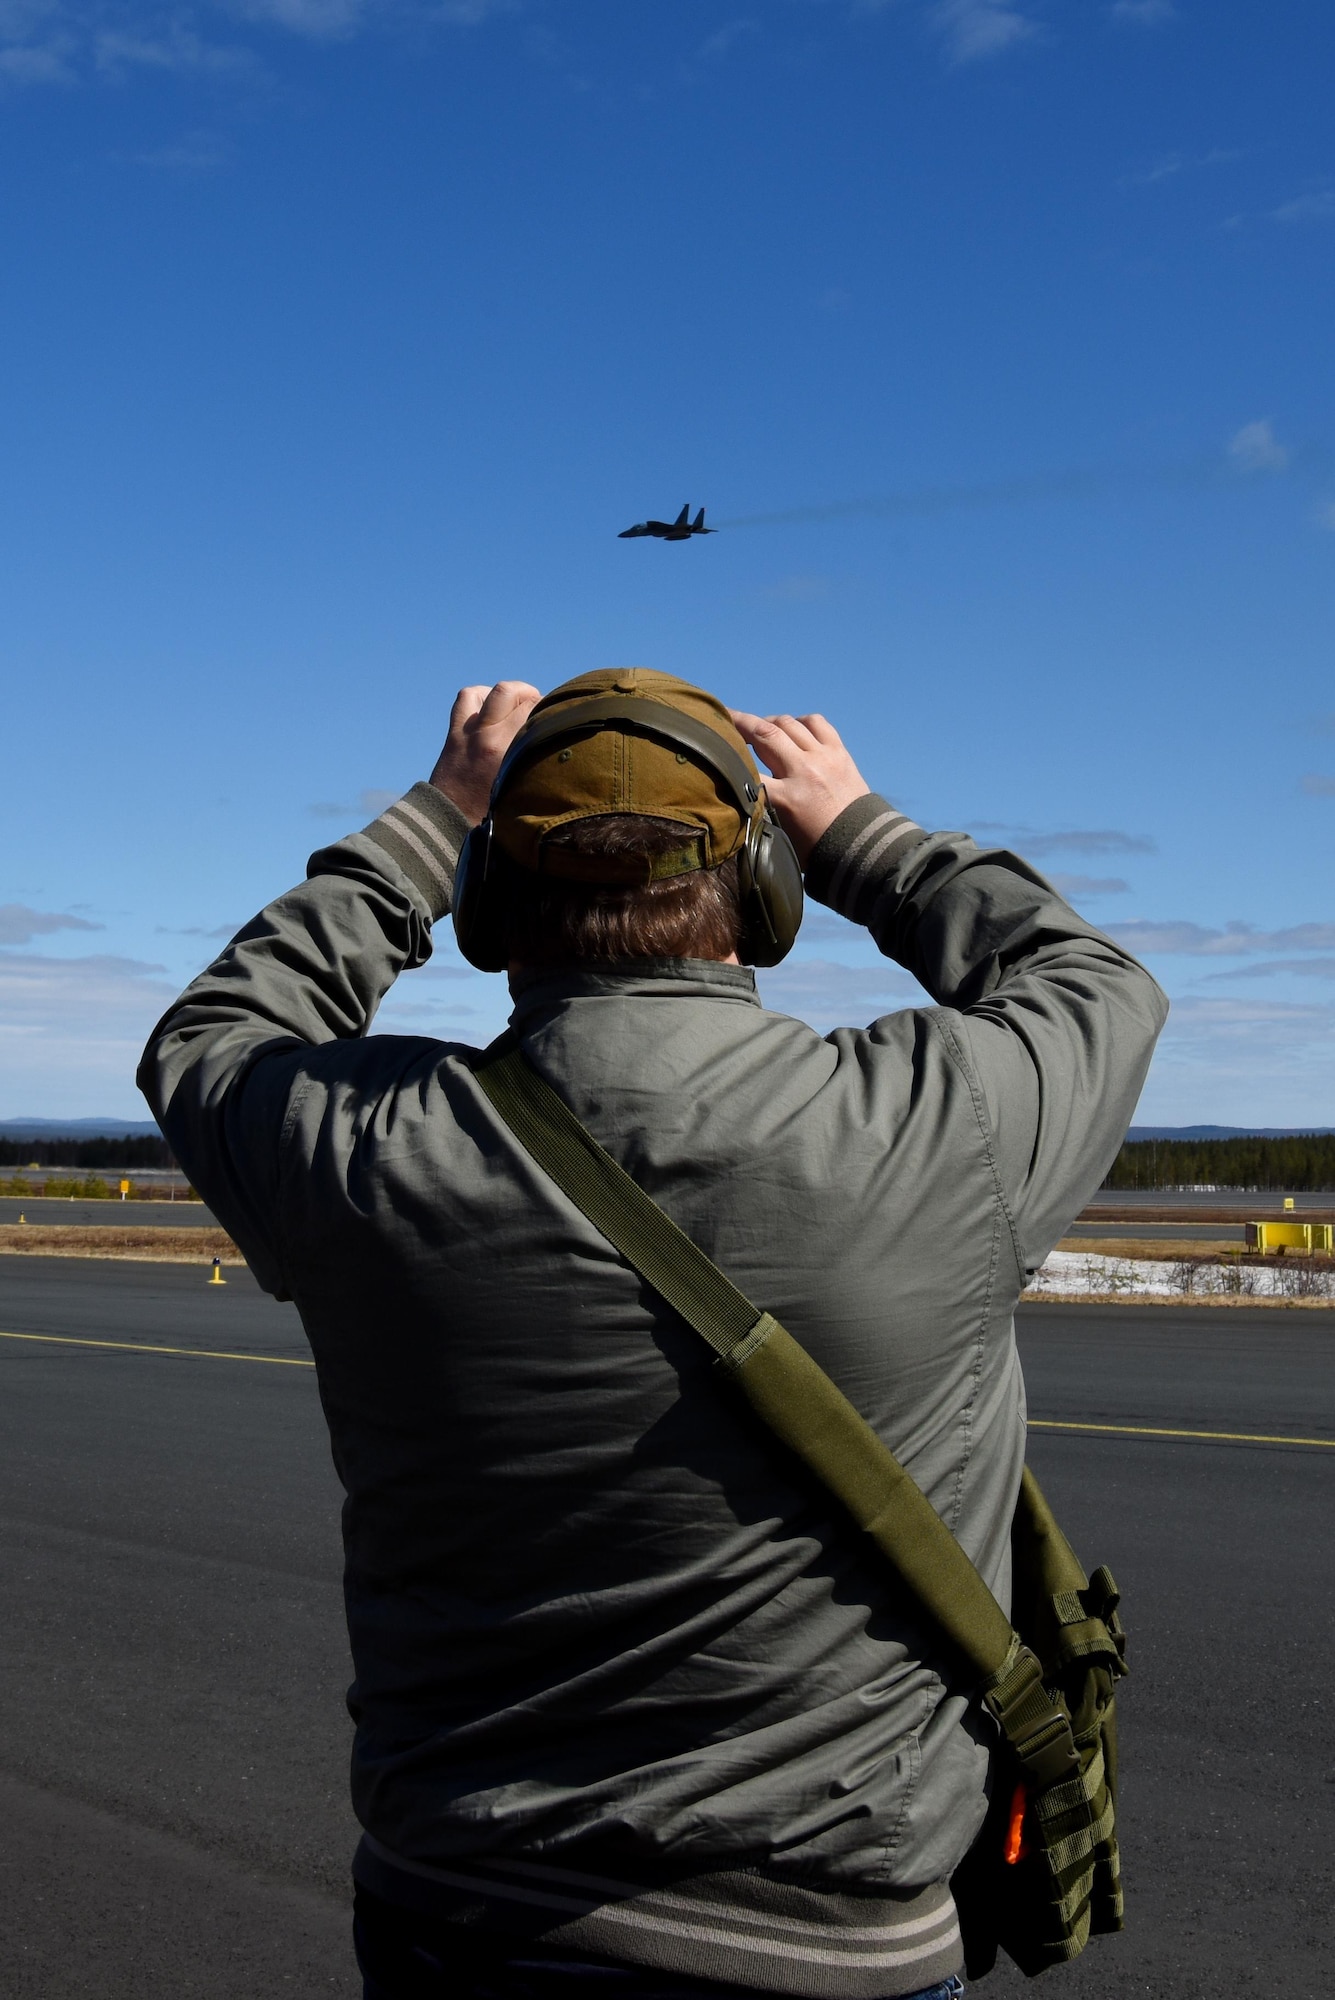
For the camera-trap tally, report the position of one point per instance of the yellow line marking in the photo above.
(291, 1361)
(1143, 1431)
(143, 1347)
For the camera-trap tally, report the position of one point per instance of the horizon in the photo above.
(345, 340)
(44, 1130)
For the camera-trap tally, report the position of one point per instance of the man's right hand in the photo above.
(814, 776)
(483, 724)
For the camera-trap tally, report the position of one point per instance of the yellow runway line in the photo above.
(143, 1347)
(1143, 1431)
(1035, 1423)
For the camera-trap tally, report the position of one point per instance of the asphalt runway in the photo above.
(173, 1743)
(193, 1214)
(107, 1214)
(1266, 1201)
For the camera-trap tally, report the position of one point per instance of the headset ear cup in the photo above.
(771, 884)
(477, 902)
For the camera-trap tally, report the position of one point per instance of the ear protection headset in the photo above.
(769, 871)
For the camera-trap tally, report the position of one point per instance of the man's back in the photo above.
(598, 1562)
(604, 1632)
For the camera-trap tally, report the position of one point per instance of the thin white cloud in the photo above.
(1314, 204)
(71, 1032)
(1169, 165)
(193, 153)
(829, 995)
(223, 931)
(1143, 13)
(473, 13)
(51, 61)
(1255, 448)
(725, 38)
(1089, 885)
(821, 926)
(1244, 1061)
(20, 925)
(446, 1000)
(1291, 1021)
(320, 20)
(1076, 840)
(426, 1017)
(1309, 968)
(975, 29)
(175, 47)
(370, 802)
(45, 996)
(1317, 205)
(68, 41)
(1166, 169)
(1238, 940)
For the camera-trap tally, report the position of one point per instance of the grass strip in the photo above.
(145, 1244)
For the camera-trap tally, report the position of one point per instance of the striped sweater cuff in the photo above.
(849, 864)
(424, 832)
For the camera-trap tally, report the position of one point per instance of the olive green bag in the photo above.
(1043, 1873)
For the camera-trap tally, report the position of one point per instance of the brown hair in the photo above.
(550, 920)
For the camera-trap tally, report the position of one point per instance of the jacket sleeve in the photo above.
(221, 1066)
(1052, 1022)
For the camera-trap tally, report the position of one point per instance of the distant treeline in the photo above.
(1302, 1164)
(130, 1152)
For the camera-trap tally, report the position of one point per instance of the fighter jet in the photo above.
(679, 530)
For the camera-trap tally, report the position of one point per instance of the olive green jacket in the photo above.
(600, 1627)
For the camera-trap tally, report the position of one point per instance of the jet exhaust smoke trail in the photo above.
(1076, 483)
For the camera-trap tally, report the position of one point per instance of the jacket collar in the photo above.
(630, 979)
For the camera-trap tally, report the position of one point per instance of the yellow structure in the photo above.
(1308, 1236)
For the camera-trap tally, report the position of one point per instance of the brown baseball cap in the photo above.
(616, 767)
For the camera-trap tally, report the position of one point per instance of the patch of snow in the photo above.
(1071, 1271)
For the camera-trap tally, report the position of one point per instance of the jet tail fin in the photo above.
(684, 517)
(698, 524)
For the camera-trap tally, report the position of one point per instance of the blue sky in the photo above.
(340, 338)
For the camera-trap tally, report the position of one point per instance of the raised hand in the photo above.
(483, 724)
(814, 777)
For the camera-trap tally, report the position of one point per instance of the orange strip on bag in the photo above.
(1016, 1845)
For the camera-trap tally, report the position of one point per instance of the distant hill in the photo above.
(1139, 1132)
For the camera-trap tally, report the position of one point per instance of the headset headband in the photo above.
(650, 718)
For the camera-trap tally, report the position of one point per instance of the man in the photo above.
(636, 1709)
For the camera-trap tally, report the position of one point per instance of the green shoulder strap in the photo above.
(797, 1400)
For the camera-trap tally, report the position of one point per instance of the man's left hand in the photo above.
(483, 724)
(814, 776)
